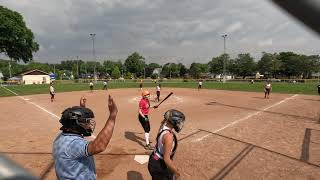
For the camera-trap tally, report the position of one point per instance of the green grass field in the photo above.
(290, 88)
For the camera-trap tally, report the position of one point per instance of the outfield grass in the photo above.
(290, 88)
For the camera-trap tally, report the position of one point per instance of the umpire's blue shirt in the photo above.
(71, 158)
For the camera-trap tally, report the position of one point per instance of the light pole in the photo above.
(10, 68)
(92, 35)
(78, 66)
(224, 58)
(273, 69)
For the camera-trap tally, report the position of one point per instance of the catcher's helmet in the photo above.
(79, 119)
(176, 118)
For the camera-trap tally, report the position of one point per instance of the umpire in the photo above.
(319, 89)
(73, 155)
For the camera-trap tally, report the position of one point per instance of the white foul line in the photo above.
(42, 108)
(27, 100)
(11, 91)
(247, 117)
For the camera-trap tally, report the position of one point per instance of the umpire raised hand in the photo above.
(73, 155)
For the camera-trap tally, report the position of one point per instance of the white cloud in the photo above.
(189, 29)
(186, 43)
(234, 27)
(266, 42)
(208, 25)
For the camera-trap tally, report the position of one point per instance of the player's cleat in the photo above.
(148, 147)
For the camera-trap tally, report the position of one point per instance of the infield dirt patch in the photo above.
(227, 135)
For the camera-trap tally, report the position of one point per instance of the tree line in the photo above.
(271, 65)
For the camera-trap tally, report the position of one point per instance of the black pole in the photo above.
(307, 11)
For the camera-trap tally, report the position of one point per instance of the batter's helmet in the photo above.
(176, 118)
(79, 119)
(145, 93)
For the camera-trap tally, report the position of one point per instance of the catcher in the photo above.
(161, 164)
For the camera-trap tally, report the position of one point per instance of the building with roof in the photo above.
(35, 77)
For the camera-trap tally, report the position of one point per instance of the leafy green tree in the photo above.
(37, 65)
(128, 75)
(265, 65)
(195, 70)
(67, 65)
(165, 72)
(232, 67)
(92, 66)
(108, 66)
(116, 73)
(314, 65)
(170, 70)
(16, 40)
(183, 70)
(216, 64)
(309, 64)
(290, 64)
(204, 68)
(135, 64)
(16, 69)
(269, 64)
(245, 65)
(150, 68)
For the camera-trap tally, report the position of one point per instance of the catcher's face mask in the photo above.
(178, 126)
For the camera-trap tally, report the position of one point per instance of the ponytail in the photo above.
(162, 123)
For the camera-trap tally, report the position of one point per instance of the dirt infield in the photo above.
(228, 134)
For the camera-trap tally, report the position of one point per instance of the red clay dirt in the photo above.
(227, 135)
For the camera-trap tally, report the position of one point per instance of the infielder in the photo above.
(158, 92)
(200, 84)
(105, 85)
(52, 92)
(140, 85)
(91, 86)
(267, 89)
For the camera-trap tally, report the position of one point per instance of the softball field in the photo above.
(227, 134)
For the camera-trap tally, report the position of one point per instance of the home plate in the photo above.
(141, 158)
(26, 99)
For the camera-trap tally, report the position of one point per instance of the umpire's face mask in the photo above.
(88, 124)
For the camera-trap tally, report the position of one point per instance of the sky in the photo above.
(162, 31)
